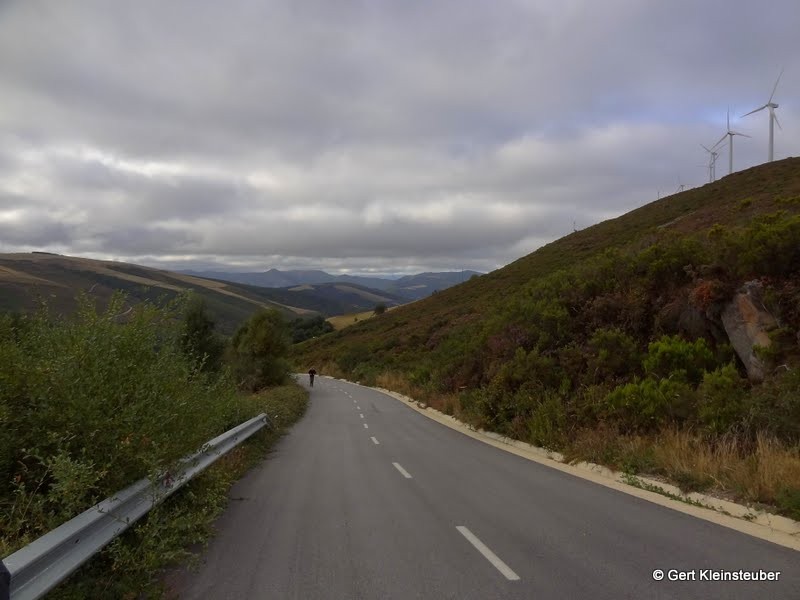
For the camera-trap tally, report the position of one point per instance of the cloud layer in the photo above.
(369, 136)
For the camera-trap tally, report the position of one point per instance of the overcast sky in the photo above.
(386, 136)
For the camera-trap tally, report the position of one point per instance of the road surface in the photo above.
(366, 498)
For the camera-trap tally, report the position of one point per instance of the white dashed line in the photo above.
(366, 426)
(361, 415)
(402, 470)
(374, 441)
(487, 554)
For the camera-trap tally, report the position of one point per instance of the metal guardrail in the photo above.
(44, 563)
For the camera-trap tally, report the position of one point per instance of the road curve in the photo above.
(366, 498)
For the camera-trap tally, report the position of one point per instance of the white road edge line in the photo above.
(405, 473)
(374, 441)
(488, 554)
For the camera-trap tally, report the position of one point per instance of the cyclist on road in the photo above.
(311, 373)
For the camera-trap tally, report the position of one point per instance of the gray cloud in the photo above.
(377, 136)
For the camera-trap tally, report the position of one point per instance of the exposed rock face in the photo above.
(747, 321)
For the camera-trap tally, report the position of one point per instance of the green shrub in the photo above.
(650, 404)
(772, 246)
(614, 353)
(306, 329)
(548, 423)
(664, 263)
(199, 339)
(353, 356)
(721, 398)
(634, 460)
(782, 343)
(774, 407)
(526, 367)
(676, 358)
(788, 501)
(258, 351)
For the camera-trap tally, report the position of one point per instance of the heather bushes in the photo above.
(675, 358)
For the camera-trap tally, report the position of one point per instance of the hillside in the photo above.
(407, 288)
(332, 299)
(732, 202)
(422, 285)
(624, 343)
(24, 278)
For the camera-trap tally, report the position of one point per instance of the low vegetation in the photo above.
(608, 344)
(91, 404)
(306, 329)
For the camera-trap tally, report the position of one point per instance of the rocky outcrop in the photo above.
(747, 323)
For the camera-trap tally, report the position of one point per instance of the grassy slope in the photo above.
(692, 211)
(342, 321)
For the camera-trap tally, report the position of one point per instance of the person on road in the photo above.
(311, 373)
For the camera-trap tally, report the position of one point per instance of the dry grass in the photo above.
(342, 321)
(331, 369)
(446, 403)
(396, 382)
(757, 473)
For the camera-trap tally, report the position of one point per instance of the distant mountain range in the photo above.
(410, 287)
(25, 279)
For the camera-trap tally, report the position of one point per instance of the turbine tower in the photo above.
(771, 106)
(713, 153)
(730, 135)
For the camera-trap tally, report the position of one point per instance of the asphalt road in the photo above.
(366, 498)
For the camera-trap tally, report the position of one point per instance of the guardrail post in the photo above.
(5, 582)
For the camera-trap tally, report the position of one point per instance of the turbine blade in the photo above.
(720, 141)
(741, 134)
(774, 116)
(754, 111)
(776, 86)
(729, 118)
(704, 148)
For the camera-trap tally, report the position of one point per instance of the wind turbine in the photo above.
(713, 153)
(730, 135)
(772, 117)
